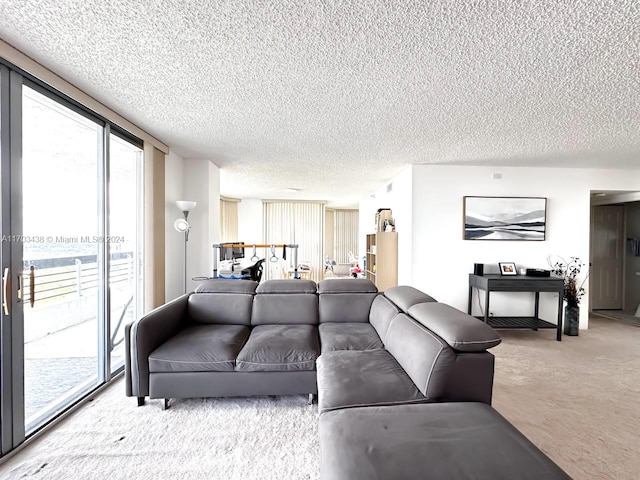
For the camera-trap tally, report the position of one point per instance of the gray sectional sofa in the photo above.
(238, 338)
(404, 383)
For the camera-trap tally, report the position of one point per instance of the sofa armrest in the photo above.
(461, 331)
(145, 335)
(470, 378)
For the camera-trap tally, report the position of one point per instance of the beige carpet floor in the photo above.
(577, 400)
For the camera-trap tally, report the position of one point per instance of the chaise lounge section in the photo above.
(430, 441)
(420, 406)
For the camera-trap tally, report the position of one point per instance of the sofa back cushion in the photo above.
(425, 357)
(220, 285)
(461, 331)
(285, 302)
(287, 286)
(405, 296)
(381, 314)
(222, 302)
(346, 300)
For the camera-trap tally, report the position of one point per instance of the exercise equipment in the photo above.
(272, 247)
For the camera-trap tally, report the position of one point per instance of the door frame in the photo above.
(611, 198)
(12, 338)
(12, 361)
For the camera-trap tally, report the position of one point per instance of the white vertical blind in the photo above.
(229, 220)
(300, 223)
(329, 232)
(346, 224)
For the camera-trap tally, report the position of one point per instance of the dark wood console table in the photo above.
(519, 283)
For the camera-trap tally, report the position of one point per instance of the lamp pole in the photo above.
(182, 225)
(186, 239)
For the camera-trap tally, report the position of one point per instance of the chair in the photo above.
(255, 270)
(329, 264)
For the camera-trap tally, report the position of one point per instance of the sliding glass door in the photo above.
(70, 187)
(60, 218)
(123, 243)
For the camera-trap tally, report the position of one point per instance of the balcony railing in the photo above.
(63, 278)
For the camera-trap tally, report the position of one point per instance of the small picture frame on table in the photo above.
(507, 268)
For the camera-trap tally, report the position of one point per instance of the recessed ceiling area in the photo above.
(336, 98)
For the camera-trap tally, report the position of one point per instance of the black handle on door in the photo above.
(32, 286)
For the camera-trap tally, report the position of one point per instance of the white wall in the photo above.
(442, 260)
(174, 241)
(250, 222)
(214, 217)
(400, 201)
(201, 184)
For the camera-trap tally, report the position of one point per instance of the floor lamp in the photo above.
(182, 226)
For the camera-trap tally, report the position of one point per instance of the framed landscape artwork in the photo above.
(505, 218)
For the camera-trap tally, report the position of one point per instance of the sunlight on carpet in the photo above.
(236, 438)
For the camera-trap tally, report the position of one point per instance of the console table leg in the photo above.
(486, 306)
(536, 311)
(559, 332)
(470, 299)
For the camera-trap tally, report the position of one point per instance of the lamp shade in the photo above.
(181, 225)
(185, 205)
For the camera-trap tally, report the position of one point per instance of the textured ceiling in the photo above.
(336, 97)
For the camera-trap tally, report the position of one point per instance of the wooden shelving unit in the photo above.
(382, 259)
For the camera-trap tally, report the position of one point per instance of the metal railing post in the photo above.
(130, 269)
(78, 263)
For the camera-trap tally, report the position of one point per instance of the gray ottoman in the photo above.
(435, 441)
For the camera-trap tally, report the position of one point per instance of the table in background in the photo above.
(517, 283)
(304, 274)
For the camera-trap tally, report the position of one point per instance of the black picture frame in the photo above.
(504, 218)
(507, 268)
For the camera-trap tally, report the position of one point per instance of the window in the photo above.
(71, 221)
(228, 220)
(342, 235)
(300, 223)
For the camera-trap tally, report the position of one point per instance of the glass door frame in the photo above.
(12, 361)
(12, 330)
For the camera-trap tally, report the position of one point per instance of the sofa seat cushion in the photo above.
(353, 379)
(200, 348)
(279, 348)
(348, 336)
(438, 441)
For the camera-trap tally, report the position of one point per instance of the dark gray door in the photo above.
(607, 257)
